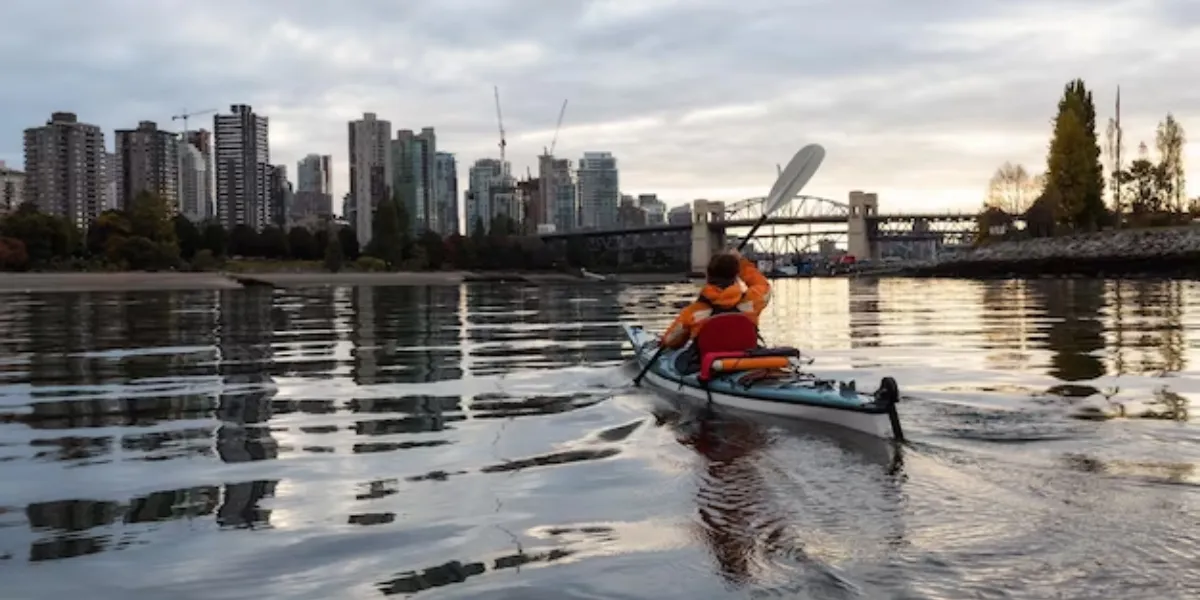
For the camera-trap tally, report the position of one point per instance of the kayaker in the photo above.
(733, 285)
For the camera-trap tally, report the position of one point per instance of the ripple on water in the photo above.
(484, 441)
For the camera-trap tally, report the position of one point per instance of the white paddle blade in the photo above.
(797, 174)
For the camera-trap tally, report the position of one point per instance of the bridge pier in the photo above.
(858, 235)
(705, 241)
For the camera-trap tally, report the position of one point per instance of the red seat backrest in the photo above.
(729, 332)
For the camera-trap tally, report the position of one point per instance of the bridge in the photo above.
(857, 224)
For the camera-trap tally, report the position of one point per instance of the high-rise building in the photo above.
(414, 173)
(656, 210)
(147, 161)
(370, 171)
(446, 193)
(629, 214)
(195, 184)
(314, 173)
(281, 196)
(490, 193)
(680, 215)
(599, 190)
(196, 181)
(532, 203)
(64, 168)
(12, 184)
(109, 177)
(557, 187)
(243, 166)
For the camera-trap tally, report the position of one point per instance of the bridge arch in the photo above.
(800, 207)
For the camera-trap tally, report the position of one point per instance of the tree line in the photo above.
(148, 237)
(1070, 195)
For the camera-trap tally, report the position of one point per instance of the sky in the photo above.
(916, 100)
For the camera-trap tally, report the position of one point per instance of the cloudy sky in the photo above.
(918, 100)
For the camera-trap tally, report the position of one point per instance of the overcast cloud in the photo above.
(918, 100)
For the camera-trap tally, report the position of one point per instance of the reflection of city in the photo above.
(406, 334)
(68, 528)
(864, 312)
(246, 333)
(809, 313)
(541, 327)
(1091, 327)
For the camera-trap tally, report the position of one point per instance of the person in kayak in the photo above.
(734, 285)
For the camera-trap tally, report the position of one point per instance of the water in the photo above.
(484, 441)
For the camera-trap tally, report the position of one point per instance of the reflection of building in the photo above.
(65, 168)
(245, 337)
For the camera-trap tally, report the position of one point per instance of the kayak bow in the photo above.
(795, 395)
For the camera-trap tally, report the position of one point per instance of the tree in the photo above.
(215, 239)
(243, 241)
(1147, 185)
(302, 244)
(349, 241)
(434, 248)
(1170, 140)
(1073, 167)
(334, 257)
(12, 255)
(108, 224)
(272, 242)
(190, 239)
(1042, 219)
(46, 237)
(150, 217)
(1012, 189)
(387, 237)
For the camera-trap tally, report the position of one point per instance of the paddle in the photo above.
(791, 180)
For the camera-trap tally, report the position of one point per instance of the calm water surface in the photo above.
(484, 441)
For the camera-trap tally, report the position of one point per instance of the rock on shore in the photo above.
(1174, 249)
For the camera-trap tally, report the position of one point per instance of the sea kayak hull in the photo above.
(799, 396)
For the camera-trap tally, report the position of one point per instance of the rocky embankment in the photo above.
(1160, 251)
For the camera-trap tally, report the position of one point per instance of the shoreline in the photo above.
(140, 281)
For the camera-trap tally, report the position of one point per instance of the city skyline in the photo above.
(920, 104)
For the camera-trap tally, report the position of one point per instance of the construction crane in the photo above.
(553, 142)
(500, 121)
(187, 114)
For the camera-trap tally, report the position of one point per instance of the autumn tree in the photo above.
(1073, 168)
(1012, 189)
(1170, 139)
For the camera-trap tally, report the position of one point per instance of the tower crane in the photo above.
(500, 121)
(187, 114)
(553, 142)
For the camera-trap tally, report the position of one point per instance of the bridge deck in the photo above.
(735, 223)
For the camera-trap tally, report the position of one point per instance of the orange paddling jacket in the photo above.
(748, 295)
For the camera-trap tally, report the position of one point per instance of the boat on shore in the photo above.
(789, 393)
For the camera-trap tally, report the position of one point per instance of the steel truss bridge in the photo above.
(796, 228)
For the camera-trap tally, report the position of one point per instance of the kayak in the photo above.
(790, 394)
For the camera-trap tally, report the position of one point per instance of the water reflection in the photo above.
(389, 430)
(69, 527)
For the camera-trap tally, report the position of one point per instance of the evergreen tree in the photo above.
(387, 236)
(1073, 168)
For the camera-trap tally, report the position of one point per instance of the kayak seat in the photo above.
(729, 342)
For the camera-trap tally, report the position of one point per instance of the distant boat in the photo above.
(593, 276)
